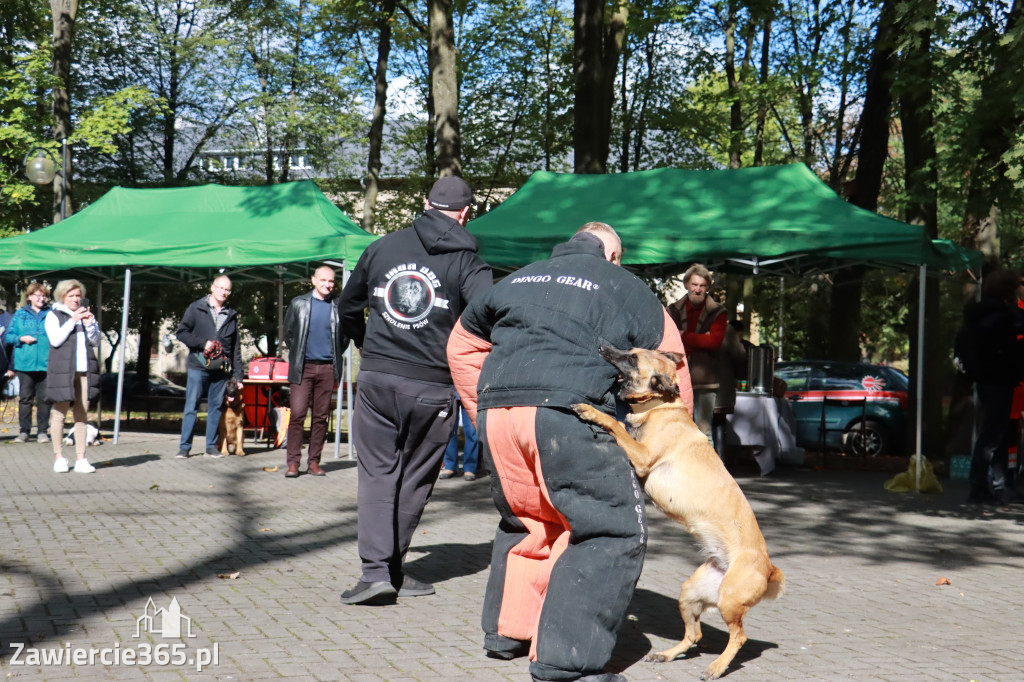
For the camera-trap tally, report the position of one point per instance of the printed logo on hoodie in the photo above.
(409, 294)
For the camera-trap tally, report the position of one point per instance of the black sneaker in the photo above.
(370, 594)
(182, 454)
(505, 648)
(213, 452)
(410, 587)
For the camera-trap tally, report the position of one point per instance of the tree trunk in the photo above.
(997, 119)
(146, 326)
(64, 12)
(380, 102)
(921, 180)
(588, 20)
(596, 52)
(844, 317)
(762, 105)
(291, 132)
(445, 86)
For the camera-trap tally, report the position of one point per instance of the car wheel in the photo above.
(869, 441)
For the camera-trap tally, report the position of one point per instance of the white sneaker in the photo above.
(82, 466)
(60, 466)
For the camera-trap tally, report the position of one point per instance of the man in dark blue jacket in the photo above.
(207, 323)
(415, 283)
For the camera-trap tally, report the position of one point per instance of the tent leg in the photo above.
(922, 275)
(124, 335)
(348, 378)
(99, 350)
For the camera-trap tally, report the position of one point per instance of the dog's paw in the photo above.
(585, 412)
(655, 658)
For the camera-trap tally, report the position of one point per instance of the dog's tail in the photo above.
(776, 584)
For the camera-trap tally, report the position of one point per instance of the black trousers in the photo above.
(400, 429)
(32, 388)
(593, 491)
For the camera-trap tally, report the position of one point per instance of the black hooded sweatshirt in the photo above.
(415, 283)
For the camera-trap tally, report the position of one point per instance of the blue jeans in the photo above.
(470, 454)
(989, 460)
(202, 382)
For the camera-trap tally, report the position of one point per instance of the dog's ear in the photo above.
(664, 385)
(676, 358)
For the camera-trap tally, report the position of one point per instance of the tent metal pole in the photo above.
(99, 351)
(782, 293)
(124, 336)
(349, 378)
(919, 379)
(280, 319)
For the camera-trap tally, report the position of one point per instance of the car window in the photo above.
(795, 376)
(854, 378)
(897, 380)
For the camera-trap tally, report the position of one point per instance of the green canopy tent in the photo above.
(265, 233)
(777, 220)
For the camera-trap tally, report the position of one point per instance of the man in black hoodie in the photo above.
(415, 283)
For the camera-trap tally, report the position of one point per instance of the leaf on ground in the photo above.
(270, 469)
(943, 581)
(228, 576)
(264, 530)
(154, 487)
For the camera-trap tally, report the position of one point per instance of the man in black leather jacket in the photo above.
(315, 346)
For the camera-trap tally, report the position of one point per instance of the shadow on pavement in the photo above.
(658, 615)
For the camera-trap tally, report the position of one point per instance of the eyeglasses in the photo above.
(226, 290)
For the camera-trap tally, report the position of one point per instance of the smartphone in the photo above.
(85, 303)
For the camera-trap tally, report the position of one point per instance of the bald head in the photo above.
(323, 281)
(220, 289)
(609, 237)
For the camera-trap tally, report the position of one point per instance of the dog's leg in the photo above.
(743, 586)
(222, 436)
(697, 594)
(637, 452)
(240, 437)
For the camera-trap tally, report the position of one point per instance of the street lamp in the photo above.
(41, 169)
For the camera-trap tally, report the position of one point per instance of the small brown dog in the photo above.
(684, 477)
(231, 432)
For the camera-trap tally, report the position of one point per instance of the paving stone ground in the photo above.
(81, 555)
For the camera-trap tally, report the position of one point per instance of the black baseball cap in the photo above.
(450, 193)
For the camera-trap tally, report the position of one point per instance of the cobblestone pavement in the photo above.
(257, 561)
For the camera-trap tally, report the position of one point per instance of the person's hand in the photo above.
(10, 373)
(81, 314)
(28, 340)
(240, 385)
(209, 345)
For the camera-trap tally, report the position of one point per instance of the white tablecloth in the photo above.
(766, 423)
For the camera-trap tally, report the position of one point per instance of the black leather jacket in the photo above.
(296, 331)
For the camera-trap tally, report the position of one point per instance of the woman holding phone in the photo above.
(74, 377)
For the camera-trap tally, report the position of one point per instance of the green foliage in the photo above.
(21, 85)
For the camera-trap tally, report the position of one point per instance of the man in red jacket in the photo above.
(701, 321)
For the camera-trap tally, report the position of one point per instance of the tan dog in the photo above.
(683, 475)
(231, 432)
